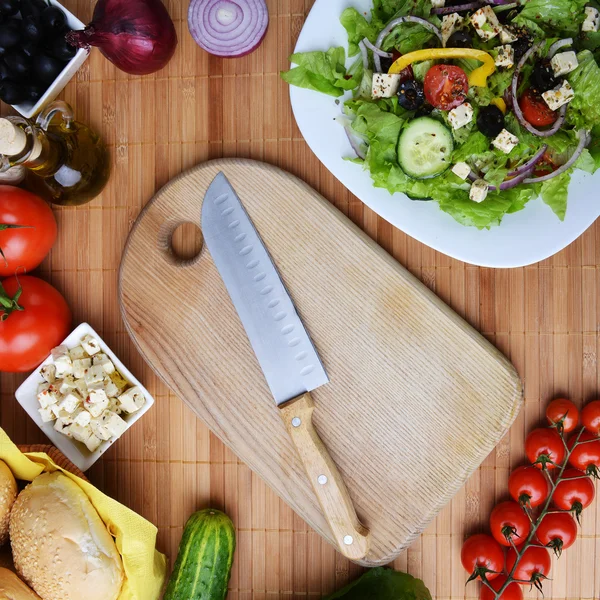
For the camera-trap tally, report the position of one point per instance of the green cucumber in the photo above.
(203, 566)
(425, 148)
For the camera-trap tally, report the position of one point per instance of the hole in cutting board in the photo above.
(187, 242)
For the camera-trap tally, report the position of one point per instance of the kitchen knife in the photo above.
(283, 348)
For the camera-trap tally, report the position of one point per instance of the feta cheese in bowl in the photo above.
(83, 397)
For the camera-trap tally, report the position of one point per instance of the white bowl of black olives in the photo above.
(36, 62)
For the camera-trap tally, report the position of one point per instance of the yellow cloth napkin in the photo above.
(145, 568)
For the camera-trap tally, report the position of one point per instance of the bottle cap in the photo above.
(13, 140)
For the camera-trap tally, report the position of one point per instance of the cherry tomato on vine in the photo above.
(482, 554)
(574, 492)
(533, 567)
(446, 86)
(590, 417)
(528, 486)
(508, 521)
(557, 531)
(544, 448)
(563, 413)
(513, 590)
(586, 456)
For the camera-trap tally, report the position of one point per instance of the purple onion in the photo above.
(365, 56)
(446, 10)
(395, 22)
(354, 143)
(558, 45)
(507, 184)
(375, 50)
(528, 166)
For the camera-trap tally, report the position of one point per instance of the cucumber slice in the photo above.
(425, 148)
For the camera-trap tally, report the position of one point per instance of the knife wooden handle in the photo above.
(351, 536)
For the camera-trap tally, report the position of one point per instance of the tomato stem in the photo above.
(8, 304)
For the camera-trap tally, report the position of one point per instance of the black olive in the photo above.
(61, 49)
(4, 71)
(35, 92)
(12, 93)
(411, 95)
(33, 8)
(53, 19)
(9, 35)
(490, 121)
(424, 111)
(47, 68)
(523, 43)
(2, 51)
(9, 7)
(33, 29)
(460, 39)
(18, 62)
(30, 49)
(542, 77)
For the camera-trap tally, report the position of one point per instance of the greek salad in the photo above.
(480, 106)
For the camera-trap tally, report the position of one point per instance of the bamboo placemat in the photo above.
(544, 317)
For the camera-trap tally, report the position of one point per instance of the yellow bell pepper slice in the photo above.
(499, 102)
(477, 78)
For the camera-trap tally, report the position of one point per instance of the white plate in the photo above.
(76, 452)
(523, 238)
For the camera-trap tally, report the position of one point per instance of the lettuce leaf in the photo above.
(323, 72)
(561, 17)
(555, 192)
(384, 10)
(358, 28)
(584, 110)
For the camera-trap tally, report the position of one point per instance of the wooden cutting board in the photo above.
(417, 397)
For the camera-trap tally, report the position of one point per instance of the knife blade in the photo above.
(283, 347)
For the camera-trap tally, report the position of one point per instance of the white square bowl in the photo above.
(76, 452)
(27, 109)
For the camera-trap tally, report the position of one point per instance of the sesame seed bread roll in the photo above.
(12, 588)
(61, 547)
(8, 494)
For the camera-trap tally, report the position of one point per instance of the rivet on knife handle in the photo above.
(351, 536)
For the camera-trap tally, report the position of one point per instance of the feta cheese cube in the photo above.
(99, 429)
(65, 418)
(507, 35)
(505, 141)
(132, 400)
(96, 402)
(105, 362)
(90, 345)
(114, 406)
(48, 373)
(82, 417)
(80, 365)
(564, 62)
(486, 23)
(63, 366)
(67, 385)
(461, 169)
(592, 19)
(115, 425)
(77, 353)
(506, 56)
(95, 385)
(559, 96)
(118, 380)
(95, 374)
(438, 3)
(450, 23)
(79, 433)
(479, 190)
(81, 387)
(70, 402)
(385, 85)
(47, 397)
(46, 414)
(93, 443)
(461, 115)
(59, 351)
(110, 388)
(59, 426)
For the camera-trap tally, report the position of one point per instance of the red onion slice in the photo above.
(354, 143)
(365, 56)
(446, 10)
(375, 50)
(228, 28)
(507, 184)
(499, 2)
(395, 22)
(558, 45)
(583, 141)
(526, 168)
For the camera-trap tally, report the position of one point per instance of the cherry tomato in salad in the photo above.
(508, 521)
(586, 456)
(590, 417)
(512, 592)
(528, 486)
(564, 413)
(482, 554)
(557, 531)
(544, 448)
(446, 86)
(545, 166)
(533, 566)
(535, 110)
(574, 492)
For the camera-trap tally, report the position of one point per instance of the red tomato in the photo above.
(564, 413)
(533, 566)
(512, 592)
(446, 86)
(557, 531)
(528, 486)
(482, 554)
(544, 447)
(535, 110)
(509, 521)
(586, 456)
(27, 336)
(590, 417)
(24, 247)
(575, 492)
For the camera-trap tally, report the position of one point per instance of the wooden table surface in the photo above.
(544, 317)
